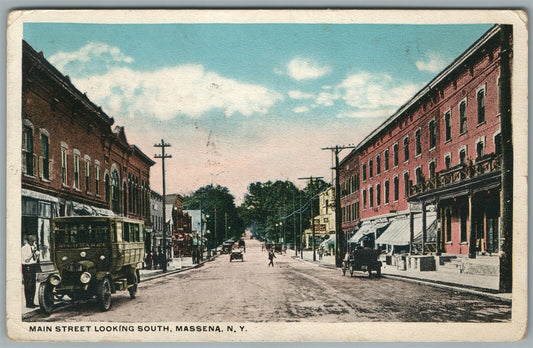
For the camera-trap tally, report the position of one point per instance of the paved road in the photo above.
(293, 290)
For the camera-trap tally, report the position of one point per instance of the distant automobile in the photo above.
(236, 255)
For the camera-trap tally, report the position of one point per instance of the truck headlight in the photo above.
(55, 279)
(85, 277)
(83, 254)
(102, 257)
(64, 258)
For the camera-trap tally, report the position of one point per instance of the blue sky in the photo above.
(248, 102)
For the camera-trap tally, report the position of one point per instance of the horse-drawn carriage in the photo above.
(364, 259)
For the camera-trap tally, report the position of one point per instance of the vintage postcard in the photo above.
(274, 175)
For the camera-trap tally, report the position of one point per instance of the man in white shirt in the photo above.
(30, 258)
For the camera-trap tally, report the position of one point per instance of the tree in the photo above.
(271, 209)
(224, 221)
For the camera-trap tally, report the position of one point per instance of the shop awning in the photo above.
(366, 229)
(329, 243)
(398, 232)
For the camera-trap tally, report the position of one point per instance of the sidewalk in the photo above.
(482, 285)
(175, 266)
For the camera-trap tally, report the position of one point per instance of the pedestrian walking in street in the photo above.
(30, 262)
(271, 257)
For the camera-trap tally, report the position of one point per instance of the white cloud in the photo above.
(300, 95)
(300, 109)
(90, 52)
(434, 63)
(374, 95)
(326, 98)
(164, 93)
(303, 69)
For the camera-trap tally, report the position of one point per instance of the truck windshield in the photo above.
(82, 232)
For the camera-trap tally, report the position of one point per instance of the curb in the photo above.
(58, 305)
(487, 293)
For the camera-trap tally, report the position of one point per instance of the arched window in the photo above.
(107, 188)
(115, 192)
(125, 197)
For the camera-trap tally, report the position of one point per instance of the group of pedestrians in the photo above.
(154, 260)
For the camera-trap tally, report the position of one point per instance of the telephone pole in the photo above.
(312, 213)
(163, 145)
(340, 246)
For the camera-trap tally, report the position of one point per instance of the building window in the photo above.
(406, 148)
(448, 125)
(27, 151)
(448, 161)
(480, 149)
(462, 156)
(498, 144)
(44, 169)
(364, 171)
(64, 165)
(432, 134)
(464, 223)
(107, 188)
(406, 183)
(396, 188)
(370, 168)
(395, 154)
(378, 194)
(378, 164)
(481, 106)
(115, 192)
(448, 225)
(364, 199)
(432, 169)
(418, 175)
(87, 174)
(462, 117)
(76, 170)
(97, 179)
(418, 143)
(371, 197)
(386, 192)
(125, 196)
(386, 159)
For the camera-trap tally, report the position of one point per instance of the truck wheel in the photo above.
(133, 291)
(46, 297)
(351, 271)
(103, 294)
(370, 273)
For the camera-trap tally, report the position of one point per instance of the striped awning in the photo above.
(366, 229)
(398, 232)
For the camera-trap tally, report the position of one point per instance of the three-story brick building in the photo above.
(73, 163)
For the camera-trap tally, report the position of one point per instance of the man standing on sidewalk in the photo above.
(30, 258)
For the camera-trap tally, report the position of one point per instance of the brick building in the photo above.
(73, 163)
(430, 176)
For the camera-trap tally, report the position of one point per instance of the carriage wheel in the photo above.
(46, 297)
(103, 294)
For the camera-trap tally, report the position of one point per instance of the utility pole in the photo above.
(339, 235)
(225, 226)
(301, 230)
(294, 226)
(216, 240)
(162, 145)
(312, 213)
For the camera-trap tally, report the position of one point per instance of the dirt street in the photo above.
(293, 290)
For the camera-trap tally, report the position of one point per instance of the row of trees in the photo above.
(271, 210)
